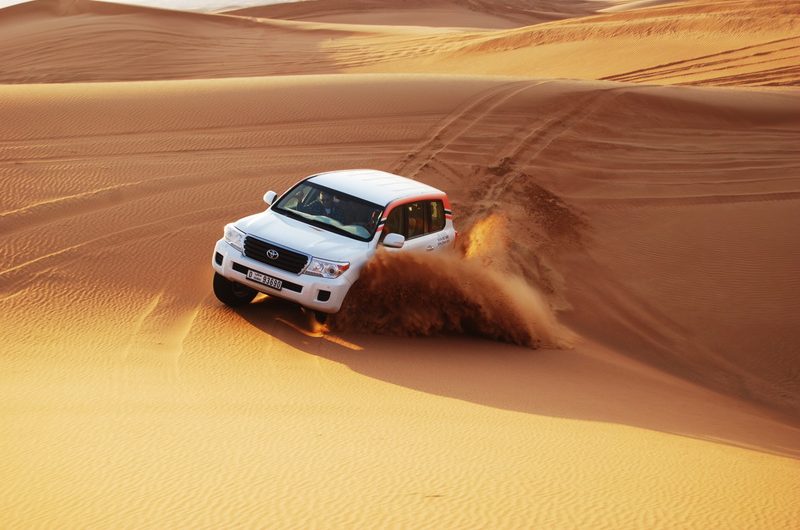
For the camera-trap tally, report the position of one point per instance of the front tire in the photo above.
(231, 293)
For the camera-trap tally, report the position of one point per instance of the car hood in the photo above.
(302, 237)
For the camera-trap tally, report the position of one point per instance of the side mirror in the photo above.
(394, 241)
(269, 197)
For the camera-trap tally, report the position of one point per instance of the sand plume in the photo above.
(472, 290)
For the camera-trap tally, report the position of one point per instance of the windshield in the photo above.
(331, 210)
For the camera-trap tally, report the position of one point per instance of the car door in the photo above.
(420, 222)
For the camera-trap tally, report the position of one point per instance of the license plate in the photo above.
(269, 281)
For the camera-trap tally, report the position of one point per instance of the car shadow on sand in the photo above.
(586, 382)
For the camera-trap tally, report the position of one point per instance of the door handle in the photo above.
(429, 247)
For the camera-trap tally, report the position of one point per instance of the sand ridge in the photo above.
(655, 224)
(478, 13)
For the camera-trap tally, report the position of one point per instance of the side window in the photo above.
(415, 219)
(394, 223)
(437, 216)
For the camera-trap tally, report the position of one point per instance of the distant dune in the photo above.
(738, 42)
(47, 42)
(453, 13)
(614, 344)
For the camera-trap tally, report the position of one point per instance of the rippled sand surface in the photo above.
(625, 183)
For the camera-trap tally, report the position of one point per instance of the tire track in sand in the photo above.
(528, 146)
(715, 62)
(156, 341)
(455, 125)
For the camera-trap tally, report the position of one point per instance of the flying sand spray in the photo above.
(473, 290)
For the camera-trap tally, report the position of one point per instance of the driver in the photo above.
(322, 205)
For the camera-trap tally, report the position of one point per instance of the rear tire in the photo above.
(231, 293)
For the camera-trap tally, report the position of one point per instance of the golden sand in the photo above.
(657, 223)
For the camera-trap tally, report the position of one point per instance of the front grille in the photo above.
(287, 260)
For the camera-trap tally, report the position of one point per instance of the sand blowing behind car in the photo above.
(310, 245)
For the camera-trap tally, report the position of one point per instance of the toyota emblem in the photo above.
(272, 254)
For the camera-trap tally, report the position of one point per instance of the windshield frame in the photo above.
(325, 226)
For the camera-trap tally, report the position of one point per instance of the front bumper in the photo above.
(304, 289)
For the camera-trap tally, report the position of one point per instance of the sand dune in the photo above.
(471, 13)
(46, 42)
(52, 41)
(704, 43)
(641, 236)
(116, 193)
(742, 42)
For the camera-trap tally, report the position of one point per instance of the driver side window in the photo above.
(394, 223)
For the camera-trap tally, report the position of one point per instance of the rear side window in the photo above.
(437, 215)
(415, 219)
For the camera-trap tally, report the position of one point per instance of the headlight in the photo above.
(234, 237)
(326, 269)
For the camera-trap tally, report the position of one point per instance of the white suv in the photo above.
(310, 245)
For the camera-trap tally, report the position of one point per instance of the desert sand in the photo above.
(628, 171)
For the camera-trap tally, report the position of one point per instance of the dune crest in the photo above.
(447, 13)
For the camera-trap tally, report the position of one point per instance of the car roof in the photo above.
(375, 186)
